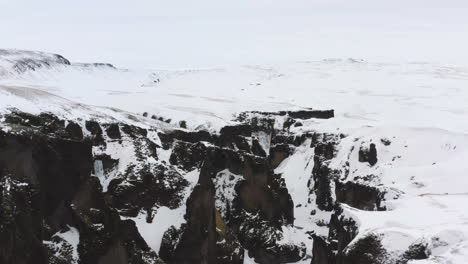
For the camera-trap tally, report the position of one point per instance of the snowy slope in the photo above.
(363, 93)
(419, 107)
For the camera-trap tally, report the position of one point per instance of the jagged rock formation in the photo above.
(359, 196)
(368, 154)
(324, 148)
(82, 191)
(50, 200)
(244, 208)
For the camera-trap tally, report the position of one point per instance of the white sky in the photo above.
(208, 33)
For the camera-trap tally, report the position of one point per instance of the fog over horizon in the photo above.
(207, 33)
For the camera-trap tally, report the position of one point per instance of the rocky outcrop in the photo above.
(69, 189)
(368, 154)
(322, 252)
(331, 249)
(299, 114)
(240, 203)
(416, 251)
(197, 242)
(323, 175)
(140, 188)
(47, 191)
(278, 153)
(342, 247)
(367, 250)
(359, 196)
(259, 193)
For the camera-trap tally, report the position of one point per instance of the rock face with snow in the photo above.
(53, 209)
(72, 181)
(66, 179)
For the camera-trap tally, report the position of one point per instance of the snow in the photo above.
(424, 169)
(247, 259)
(264, 140)
(393, 70)
(165, 217)
(224, 183)
(419, 107)
(99, 170)
(122, 151)
(297, 170)
(440, 219)
(362, 93)
(72, 237)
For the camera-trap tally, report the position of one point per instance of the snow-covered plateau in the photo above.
(340, 161)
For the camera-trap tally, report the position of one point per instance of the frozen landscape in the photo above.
(289, 158)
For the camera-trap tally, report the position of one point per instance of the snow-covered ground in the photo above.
(419, 107)
(406, 81)
(417, 94)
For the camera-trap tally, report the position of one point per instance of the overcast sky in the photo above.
(209, 33)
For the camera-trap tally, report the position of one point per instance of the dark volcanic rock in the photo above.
(93, 127)
(169, 243)
(228, 248)
(96, 131)
(417, 250)
(307, 114)
(238, 205)
(46, 188)
(330, 249)
(197, 242)
(192, 136)
(39, 174)
(187, 155)
(278, 153)
(20, 222)
(113, 131)
(323, 176)
(183, 124)
(257, 149)
(263, 194)
(141, 188)
(237, 137)
(342, 230)
(300, 114)
(74, 130)
(57, 165)
(167, 139)
(367, 250)
(261, 187)
(359, 196)
(134, 131)
(322, 252)
(385, 141)
(260, 192)
(238, 130)
(288, 123)
(45, 123)
(336, 248)
(368, 154)
(261, 239)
